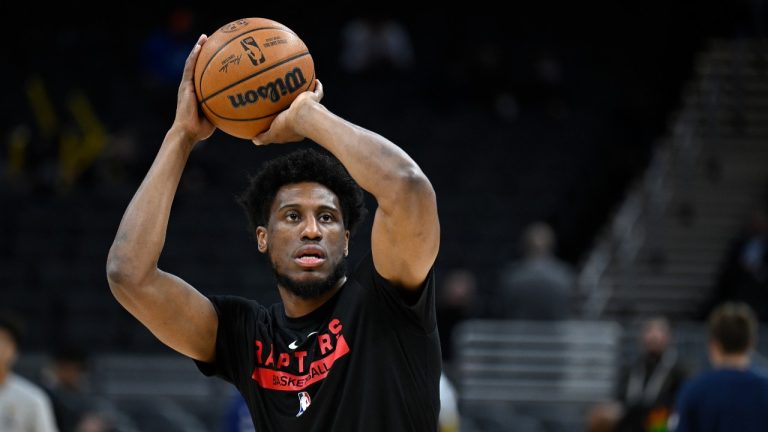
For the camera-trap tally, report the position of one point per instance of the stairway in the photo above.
(666, 243)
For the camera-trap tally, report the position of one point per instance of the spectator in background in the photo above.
(75, 407)
(744, 275)
(647, 389)
(375, 43)
(540, 286)
(24, 407)
(457, 301)
(165, 49)
(449, 418)
(732, 396)
(65, 385)
(603, 417)
(237, 418)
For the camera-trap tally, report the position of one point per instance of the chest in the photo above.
(15, 413)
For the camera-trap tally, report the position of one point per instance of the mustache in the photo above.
(311, 289)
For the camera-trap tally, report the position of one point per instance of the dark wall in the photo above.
(538, 113)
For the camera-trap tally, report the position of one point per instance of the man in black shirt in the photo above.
(342, 352)
(649, 385)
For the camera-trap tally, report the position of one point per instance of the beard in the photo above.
(315, 288)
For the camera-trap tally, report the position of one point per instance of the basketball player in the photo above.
(344, 351)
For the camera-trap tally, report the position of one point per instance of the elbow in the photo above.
(118, 273)
(413, 183)
(122, 274)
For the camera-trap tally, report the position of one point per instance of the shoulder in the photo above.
(680, 368)
(686, 394)
(364, 269)
(236, 304)
(25, 389)
(233, 301)
(760, 375)
(704, 381)
(513, 267)
(696, 382)
(366, 275)
(562, 268)
(364, 272)
(416, 307)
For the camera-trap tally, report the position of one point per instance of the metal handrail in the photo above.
(671, 168)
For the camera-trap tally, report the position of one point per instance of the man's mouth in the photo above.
(310, 261)
(310, 257)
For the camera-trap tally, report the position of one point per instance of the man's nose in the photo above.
(311, 229)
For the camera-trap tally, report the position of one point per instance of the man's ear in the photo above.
(346, 242)
(714, 351)
(261, 239)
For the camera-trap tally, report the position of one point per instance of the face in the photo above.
(69, 373)
(305, 238)
(7, 349)
(656, 337)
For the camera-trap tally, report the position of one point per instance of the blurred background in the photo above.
(596, 168)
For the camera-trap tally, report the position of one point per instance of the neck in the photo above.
(296, 306)
(733, 361)
(4, 372)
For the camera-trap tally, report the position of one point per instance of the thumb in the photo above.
(260, 139)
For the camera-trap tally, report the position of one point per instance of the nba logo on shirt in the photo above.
(304, 401)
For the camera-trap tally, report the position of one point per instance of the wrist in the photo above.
(180, 138)
(306, 110)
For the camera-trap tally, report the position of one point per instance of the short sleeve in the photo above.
(417, 308)
(43, 417)
(237, 320)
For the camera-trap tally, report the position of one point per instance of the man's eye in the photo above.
(326, 218)
(292, 216)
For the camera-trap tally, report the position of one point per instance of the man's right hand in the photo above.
(190, 122)
(284, 127)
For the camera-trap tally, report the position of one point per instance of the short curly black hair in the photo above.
(303, 165)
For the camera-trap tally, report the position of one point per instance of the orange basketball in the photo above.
(248, 72)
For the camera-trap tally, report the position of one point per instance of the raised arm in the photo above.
(406, 230)
(171, 309)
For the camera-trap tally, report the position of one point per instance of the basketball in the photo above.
(248, 72)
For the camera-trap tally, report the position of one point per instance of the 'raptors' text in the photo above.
(272, 368)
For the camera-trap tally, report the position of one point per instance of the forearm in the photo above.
(377, 165)
(140, 238)
(406, 232)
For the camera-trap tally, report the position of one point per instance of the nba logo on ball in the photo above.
(304, 401)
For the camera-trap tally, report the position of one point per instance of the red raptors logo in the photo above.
(272, 369)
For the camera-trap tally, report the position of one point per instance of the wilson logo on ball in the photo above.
(273, 91)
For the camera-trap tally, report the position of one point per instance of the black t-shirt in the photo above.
(366, 360)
